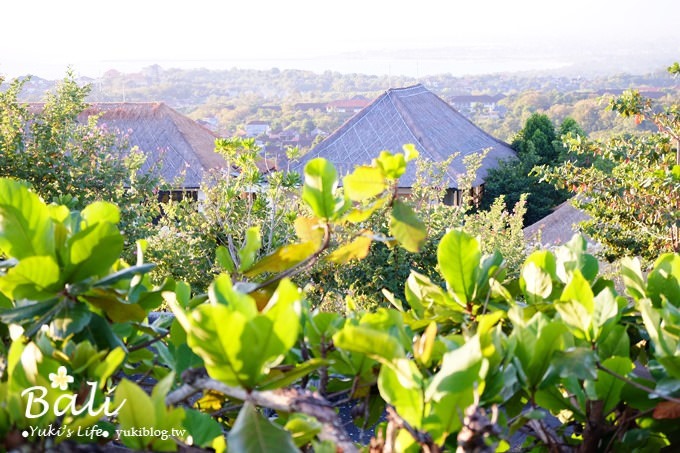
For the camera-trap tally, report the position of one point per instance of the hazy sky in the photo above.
(43, 37)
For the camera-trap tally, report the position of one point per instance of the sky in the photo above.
(44, 37)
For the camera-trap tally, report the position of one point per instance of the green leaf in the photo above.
(117, 310)
(410, 152)
(576, 316)
(377, 344)
(459, 372)
(109, 365)
(398, 385)
(223, 259)
(100, 211)
(25, 313)
(31, 278)
(357, 249)
(136, 411)
(222, 291)
(318, 191)
(71, 319)
(631, 274)
(124, 274)
(278, 379)
(607, 387)
(253, 433)
(93, 251)
(406, 227)
(536, 283)
(251, 246)
(664, 280)
(578, 289)
(578, 362)
(26, 227)
(364, 182)
(303, 428)
(283, 258)
(459, 255)
(202, 428)
(392, 165)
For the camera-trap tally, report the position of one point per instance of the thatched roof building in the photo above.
(409, 115)
(558, 227)
(184, 148)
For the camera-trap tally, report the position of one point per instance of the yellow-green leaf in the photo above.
(357, 249)
(406, 227)
(364, 182)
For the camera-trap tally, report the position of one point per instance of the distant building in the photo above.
(484, 104)
(410, 115)
(256, 128)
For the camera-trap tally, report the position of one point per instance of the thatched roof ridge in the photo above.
(558, 227)
(409, 115)
(184, 147)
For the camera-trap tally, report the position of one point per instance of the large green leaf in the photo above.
(202, 428)
(459, 255)
(253, 433)
(93, 251)
(375, 343)
(406, 227)
(222, 291)
(31, 279)
(71, 319)
(100, 211)
(536, 283)
(578, 289)
(664, 280)
(26, 227)
(136, 411)
(364, 182)
(400, 388)
(318, 191)
(459, 372)
(115, 309)
(631, 274)
(239, 348)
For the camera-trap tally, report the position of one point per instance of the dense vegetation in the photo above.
(463, 348)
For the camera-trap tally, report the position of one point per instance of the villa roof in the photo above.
(410, 115)
(184, 148)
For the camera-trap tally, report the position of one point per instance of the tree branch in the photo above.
(285, 400)
(637, 385)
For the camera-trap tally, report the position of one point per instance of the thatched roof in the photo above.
(184, 147)
(558, 227)
(409, 115)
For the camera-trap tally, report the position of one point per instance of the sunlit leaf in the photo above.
(406, 227)
(355, 250)
(364, 182)
(318, 191)
(459, 255)
(26, 226)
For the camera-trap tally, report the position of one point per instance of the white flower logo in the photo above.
(61, 379)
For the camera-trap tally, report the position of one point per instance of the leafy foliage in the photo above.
(536, 144)
(629, 185)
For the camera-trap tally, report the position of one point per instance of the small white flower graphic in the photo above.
(61, 379)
